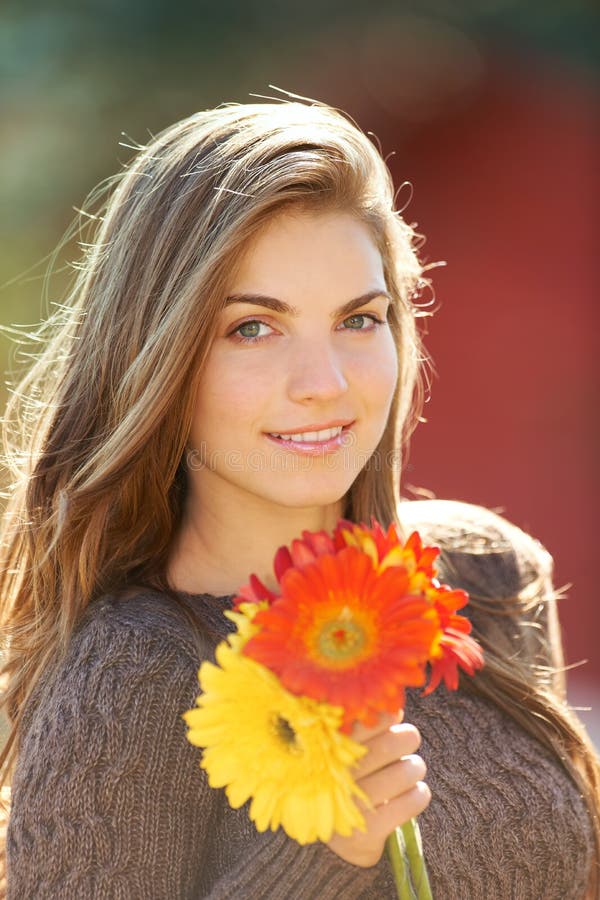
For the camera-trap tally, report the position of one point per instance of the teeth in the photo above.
(324, 435)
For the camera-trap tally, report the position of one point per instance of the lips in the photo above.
(327, 440)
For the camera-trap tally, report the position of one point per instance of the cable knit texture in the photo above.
(109, 802)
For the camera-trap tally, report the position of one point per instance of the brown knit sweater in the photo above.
(108, 800)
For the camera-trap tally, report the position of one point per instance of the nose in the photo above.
(315, 372)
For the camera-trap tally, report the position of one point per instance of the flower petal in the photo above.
(284, 753)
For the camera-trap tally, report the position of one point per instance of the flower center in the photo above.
(342, 638)
(285, 733)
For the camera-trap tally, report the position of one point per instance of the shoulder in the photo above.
(467, 526)
(123, 652)
(507, 574)
(483, 545)
(114, 701)
(136, 632)
(189, 625)
(138, 612)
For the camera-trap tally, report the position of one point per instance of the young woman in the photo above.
(238, 361)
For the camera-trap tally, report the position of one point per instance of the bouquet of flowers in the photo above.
(358, 616)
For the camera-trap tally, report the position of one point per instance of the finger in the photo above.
(388, 747)
(362, 733)
(389, 783)
(388, 816)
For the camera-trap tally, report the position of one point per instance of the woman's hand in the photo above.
(391, 775)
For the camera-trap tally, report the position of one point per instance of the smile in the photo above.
(311, 442)
(311, 436)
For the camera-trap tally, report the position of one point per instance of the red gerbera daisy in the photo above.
(301, 552)
(456, 649)
(253, 592)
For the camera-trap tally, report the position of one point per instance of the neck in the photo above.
(217, 549)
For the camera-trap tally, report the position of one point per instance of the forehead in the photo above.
(300, 250)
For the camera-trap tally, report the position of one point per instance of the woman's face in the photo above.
(313, 358)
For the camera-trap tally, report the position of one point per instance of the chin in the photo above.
(307, 497)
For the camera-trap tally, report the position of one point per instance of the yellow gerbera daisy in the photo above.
(243, 619)
(283, 752)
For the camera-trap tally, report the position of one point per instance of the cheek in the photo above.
(229, 396)
(379, 374)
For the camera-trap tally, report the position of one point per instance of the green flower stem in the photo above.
(416, 860)
(396, 853)
(405, 853)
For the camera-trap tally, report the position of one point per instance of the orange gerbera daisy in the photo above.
(354, 650)
(384, 549)
(455, 648)
(387, 549)
(344, 633)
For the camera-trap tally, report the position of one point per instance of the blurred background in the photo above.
(485, 106)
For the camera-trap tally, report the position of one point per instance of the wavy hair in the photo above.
(95, 432)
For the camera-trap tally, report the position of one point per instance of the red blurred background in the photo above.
(506, 192)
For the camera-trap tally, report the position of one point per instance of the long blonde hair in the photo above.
(95, 432)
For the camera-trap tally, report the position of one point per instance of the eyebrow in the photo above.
(281, 307)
